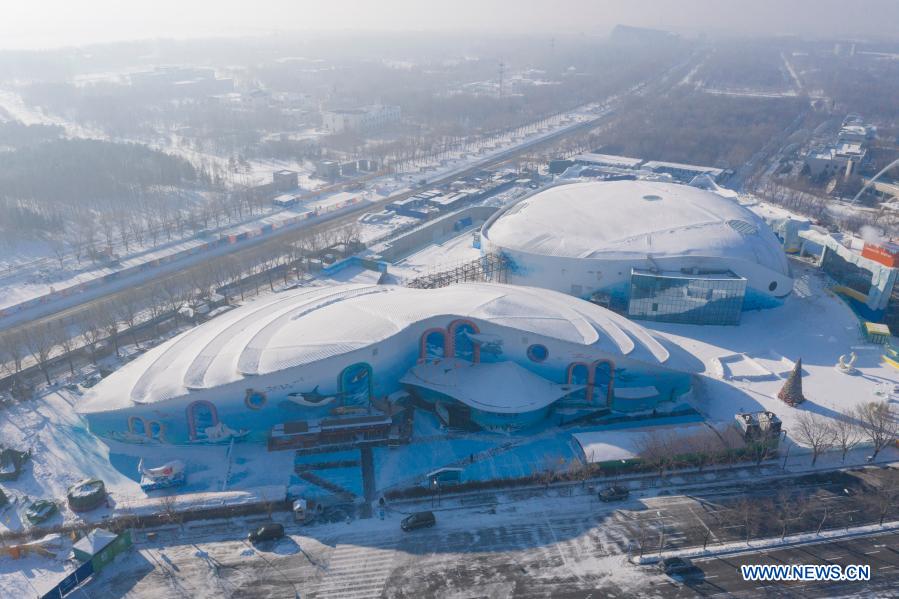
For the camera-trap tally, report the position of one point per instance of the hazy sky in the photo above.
(54, 23)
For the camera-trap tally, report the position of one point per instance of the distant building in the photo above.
(865, 273)
(286, 200)
(365, 118)
(627, 35)
(833, 160)
(329, 170)
(449, 201)
(285, 180)
(683, 172)
(367, 164)
(845, 153)
(593, 159)
(559, 165)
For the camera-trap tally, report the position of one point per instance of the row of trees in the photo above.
(800, 197)
(875, 423)
(100, 323)
(788, 511)
(872, 423)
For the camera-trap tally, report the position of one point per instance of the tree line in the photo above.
(109, 323)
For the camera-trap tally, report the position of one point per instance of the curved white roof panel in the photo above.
(502, 387)
(304, 326)
(633, 219)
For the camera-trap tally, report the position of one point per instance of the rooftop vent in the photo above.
(742, 227)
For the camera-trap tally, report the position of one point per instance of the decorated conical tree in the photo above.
(791, 393)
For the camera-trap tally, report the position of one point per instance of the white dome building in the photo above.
(301, 360)
(660, 251)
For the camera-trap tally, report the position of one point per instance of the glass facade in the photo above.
(687, 298)
(846, 273)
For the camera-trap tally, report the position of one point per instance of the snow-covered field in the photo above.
(742, 369)
(813, 325)
(31, 273)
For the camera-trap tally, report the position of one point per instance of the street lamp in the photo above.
(787, 453)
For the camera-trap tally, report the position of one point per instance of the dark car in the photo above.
(614, 494)
(266, 532)
(418, 520)
(677, 566)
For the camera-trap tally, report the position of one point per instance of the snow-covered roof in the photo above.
(94, 541)
(624, 444)
(609, 159)
(633, 219)
(654, 165)
(499, 387)
(303, 326)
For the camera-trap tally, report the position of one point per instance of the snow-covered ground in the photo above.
(30, 276)
(18, 288)
(813, 325)
(742, 368)
(438, 256)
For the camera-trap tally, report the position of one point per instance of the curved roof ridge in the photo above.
(584, 325)
(658, 351)
(248, 361)
(194, 376)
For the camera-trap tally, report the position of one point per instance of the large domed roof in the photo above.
(635, 219)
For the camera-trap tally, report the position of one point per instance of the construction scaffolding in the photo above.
(490, 267)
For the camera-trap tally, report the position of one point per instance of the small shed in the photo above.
(876, 332)
(100, 546)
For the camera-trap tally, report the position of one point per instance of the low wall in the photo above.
(405, 244)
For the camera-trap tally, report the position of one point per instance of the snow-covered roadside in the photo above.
(756, 545)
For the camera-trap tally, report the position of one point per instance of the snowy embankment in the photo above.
(756, 545)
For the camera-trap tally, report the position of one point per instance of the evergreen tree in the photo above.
(791, 393)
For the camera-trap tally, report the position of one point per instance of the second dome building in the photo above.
(656, 251)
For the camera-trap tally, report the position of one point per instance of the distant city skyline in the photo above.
(45, 24)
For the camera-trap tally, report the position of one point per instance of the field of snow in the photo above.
(814, 325)
(438, 256)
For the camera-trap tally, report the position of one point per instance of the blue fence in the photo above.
(71, 581)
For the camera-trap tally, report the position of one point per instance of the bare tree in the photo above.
(654, 451)
(66, 342)
(13, 351)
(155, 306)
(175, 291)
(749, 511)
(41, 340)
(349, 235)
(704, 446)
(109, 321)
(879, 422)
(58, 246)
(789, 508)
(883, 498)
(846, 434)
(90, 331)
(128, 308)
(813, 430)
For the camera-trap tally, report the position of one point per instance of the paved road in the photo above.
(720, 579)
(547, 544)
